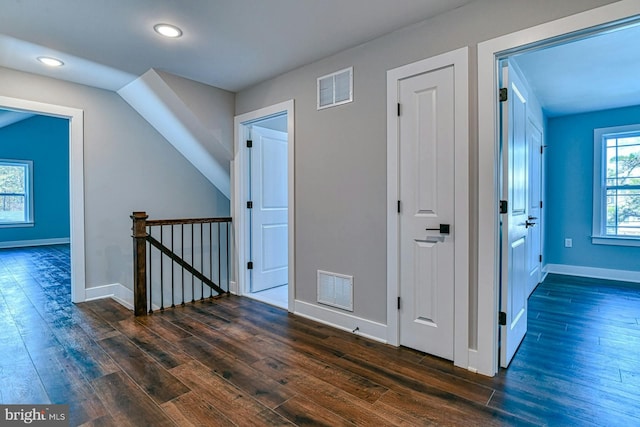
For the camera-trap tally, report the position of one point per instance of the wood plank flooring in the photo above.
(236, 361)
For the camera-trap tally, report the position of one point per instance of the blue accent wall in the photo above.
(45, 141)
(569, 191)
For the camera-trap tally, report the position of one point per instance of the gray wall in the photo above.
(341, 152)
(128, 166)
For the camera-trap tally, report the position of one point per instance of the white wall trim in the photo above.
(76, 181)
(36, 242)
(238, 197)
(593, 272)
(344, 321)
(488, 191)
(117, 291)
(459, 59)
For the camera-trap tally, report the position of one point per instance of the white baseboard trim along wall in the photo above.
(117, 291)
(37, 242)
(595, 273)
(346, 322)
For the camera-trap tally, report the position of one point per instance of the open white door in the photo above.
(534, 142)
(515, 222)
(268, 194)
(427, 233)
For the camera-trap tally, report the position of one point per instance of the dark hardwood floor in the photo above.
(240, 362)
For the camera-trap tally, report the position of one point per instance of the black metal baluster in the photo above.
(211, 257)
(182, 256)
(228, 274)
(219, 255)
(161, 271)
(193, 289)
(150, 277)
(201, 261)
(173, 287)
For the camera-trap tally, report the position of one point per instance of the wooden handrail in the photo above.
(155, 222)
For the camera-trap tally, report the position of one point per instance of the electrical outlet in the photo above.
(568, 243)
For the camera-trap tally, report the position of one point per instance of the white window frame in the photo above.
(599, 235)
(28, 197)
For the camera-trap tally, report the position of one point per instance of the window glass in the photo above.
(14, 192)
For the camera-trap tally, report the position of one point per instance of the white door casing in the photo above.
(268, 194)
(457, 242)
(514, 222)
(426, 188)
(489, 52)
(534, 143)
(239, 211)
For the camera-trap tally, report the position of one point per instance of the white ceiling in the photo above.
(591, 74)
(230, 44)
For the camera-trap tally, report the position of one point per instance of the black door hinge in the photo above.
(504, 206)
(540, 258)
(398, 109)
(540, 204)
(398, 206)
(250, 265)
(504, 94)
(249, 143)
(502, 318)
(398, 303)
(249, 205)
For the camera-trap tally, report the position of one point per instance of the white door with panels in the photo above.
(515, 221)
(534, 239)
(426, 230)
(268, 209)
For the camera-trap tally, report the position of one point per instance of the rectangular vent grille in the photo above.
(335, 88)
(335, 290)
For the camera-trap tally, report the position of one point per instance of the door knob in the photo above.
(444, 229)
(528, 224)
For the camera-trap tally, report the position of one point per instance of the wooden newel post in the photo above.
(139, 263)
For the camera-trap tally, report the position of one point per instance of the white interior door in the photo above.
(514, 261)
(426, 265)
(534, 142)
(268, 194)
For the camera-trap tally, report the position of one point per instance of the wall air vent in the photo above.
(335, 88)
(335, 290)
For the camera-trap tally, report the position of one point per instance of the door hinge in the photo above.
(250, 265)
(398, 303)
(542, 149)
(504, 94)
(398, 109)
(249, 143)
(249, 205)
(399, 206)
(540, 204)
(504, 206)
(540, 258)
(502, 318)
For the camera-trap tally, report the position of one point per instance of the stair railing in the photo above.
(176, 261)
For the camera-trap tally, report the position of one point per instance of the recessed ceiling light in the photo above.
(168, 30)
(51, 62)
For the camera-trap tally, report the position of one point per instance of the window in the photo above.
(16, 203)
(616, 192)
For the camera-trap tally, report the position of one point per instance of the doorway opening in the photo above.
(76, 181)
(263, 206)
(496, 270)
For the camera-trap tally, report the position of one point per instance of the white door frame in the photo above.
(239, 197)
(459, 59)
(76, 181)
(488, 166)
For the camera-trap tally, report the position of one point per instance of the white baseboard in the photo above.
(36, 242)
(595, 273)
(118, 292)
(233, 287)
(346, 322)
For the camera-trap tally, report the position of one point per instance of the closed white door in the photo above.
(268, 194)
(514, 260)
(427, 143)
(534, 142)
